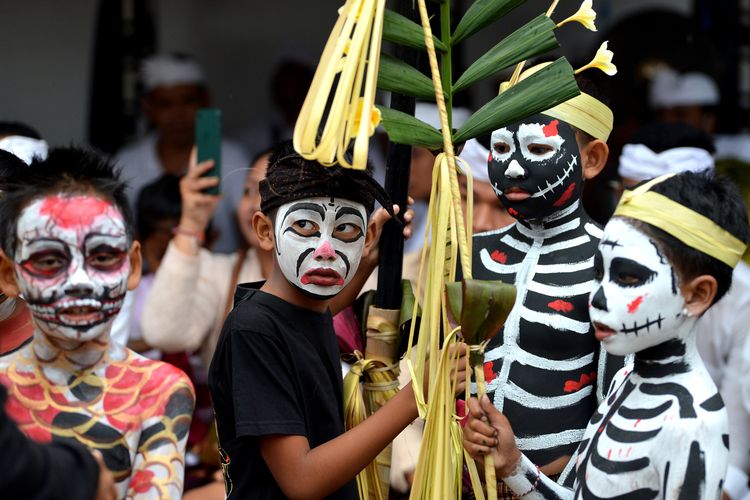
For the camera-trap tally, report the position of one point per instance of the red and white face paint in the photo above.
(72, 264)
(319, 243)
(637, 303)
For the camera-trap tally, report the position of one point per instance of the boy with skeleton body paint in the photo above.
(664, 259)
(275, 378)
(545, 370)
(68, 248)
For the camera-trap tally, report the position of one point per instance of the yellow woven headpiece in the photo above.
(693, 229)
(584, 112)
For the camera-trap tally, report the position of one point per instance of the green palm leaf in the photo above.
(395, 75)
(542, 90)
(480, 14)
(534, 38)
(399, 29)
(406, 129)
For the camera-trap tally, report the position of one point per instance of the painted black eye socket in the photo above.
(501, 148)
(629, 273)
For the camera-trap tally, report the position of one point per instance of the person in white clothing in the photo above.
(175, 88)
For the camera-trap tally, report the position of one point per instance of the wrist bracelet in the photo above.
(536, 483)
(199, 236)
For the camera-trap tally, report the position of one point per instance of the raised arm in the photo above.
(186, 293)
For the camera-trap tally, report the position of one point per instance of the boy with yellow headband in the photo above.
(544, 370)
(665, 258)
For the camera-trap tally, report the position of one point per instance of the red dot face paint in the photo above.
(635, 304)
(550, 130)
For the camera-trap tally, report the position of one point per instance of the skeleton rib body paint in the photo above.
(319, 243)
(547, 371)
(662, 432)
(72, 265)
(71, 383)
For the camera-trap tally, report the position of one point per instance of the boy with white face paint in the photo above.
(68, 249)
(322, 241)
(275, 379)
(664, 259)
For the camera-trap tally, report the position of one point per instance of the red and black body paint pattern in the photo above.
(135, 411)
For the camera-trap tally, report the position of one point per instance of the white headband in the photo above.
(476, 156)
(168, 70)
(639, 162)
(669, 88)
(25, 148)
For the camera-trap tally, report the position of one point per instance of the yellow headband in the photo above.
(691, 228)
(584, 112)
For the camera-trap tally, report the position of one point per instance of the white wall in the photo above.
(44, 65)
(46, 51)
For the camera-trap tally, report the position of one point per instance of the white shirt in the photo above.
(141, 166)
(722, 339)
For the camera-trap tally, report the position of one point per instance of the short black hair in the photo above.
(662, 136)
(10, 166)
(292, 177)
(715, 197)
(157, 201)
(72, 170)
(18, 128)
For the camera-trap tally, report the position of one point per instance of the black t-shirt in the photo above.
(276, 370)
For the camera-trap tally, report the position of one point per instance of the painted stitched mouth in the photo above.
(551, 187)
(636, 328)
(323, 277)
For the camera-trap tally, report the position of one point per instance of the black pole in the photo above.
(398, 163)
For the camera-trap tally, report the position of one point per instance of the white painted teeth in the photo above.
(550, 187)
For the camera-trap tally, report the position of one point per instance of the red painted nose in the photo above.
(324, 251)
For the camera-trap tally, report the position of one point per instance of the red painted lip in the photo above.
(602, 331)
(516, 194)
(322, 277)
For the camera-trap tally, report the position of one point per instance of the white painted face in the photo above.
(72, 265)
(319, 243)
(638, 303)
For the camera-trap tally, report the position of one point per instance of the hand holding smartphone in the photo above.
(208, 142)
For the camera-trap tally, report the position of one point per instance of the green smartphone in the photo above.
(208, 141)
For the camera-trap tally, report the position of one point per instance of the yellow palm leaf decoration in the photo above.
(340, 105)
